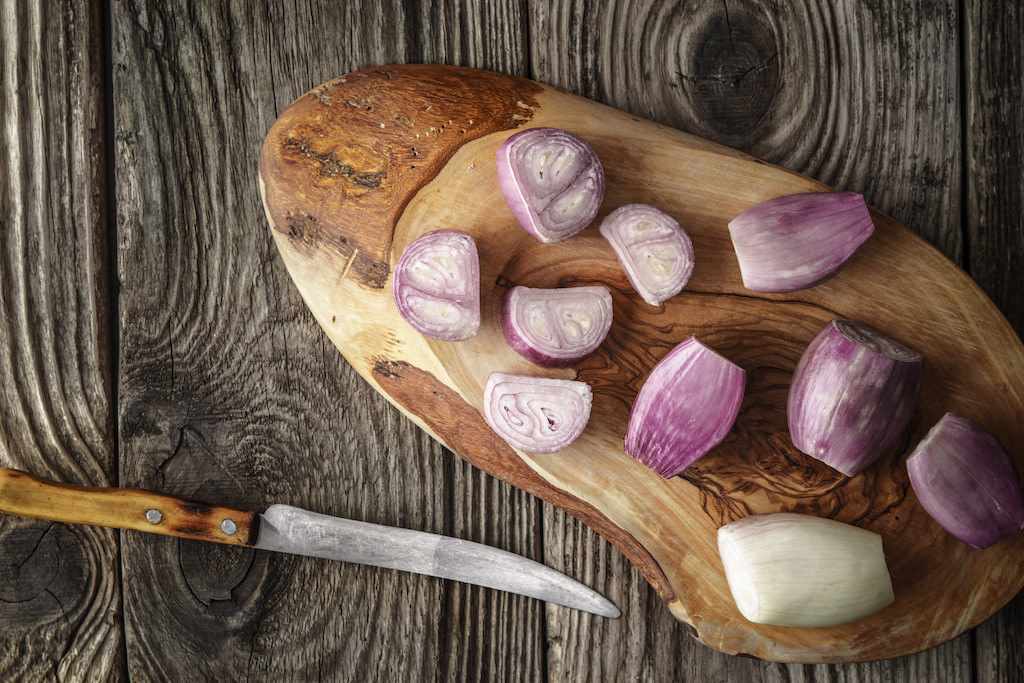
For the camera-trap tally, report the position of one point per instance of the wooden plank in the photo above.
(859, 96)
(59, 599)
(231, 393)
(993, 51)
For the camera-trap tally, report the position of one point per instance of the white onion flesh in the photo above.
(798, 241)
(853, 393)
(536, 414)
(791, 569)
(436, 285)
(655, 252)
(686, 406)
(966, 481)
(556, 327)
(551, 180)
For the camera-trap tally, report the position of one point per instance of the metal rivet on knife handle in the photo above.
(228, 527)
(154, 516)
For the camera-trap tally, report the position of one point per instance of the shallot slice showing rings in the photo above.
(536, 414)
(436, 285)
(556, 327)
(551, 180)
(653, 249)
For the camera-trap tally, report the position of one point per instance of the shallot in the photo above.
(686, 406)
(653, 249)
(797, 241)
(551, 180)
(853, 393)
(536, 414)
(559, 326)
(966, 481)
(436, 285)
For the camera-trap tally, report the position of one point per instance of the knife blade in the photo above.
(288, 529)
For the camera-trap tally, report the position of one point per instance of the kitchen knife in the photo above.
(287, 529)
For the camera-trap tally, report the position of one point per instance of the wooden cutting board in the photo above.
(357, 168)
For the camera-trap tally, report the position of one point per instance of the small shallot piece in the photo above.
(798, 241)
(792, 569)
(686, 406)
(653, 249)
(556, 327)
(436, 285)
(966, 481)
(853, 393)
(536, 414)
(551, 180)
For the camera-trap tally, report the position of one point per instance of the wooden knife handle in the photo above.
(25, 495)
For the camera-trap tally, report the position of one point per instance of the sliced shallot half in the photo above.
(536, 414)
(436, 285)
(551, 180)
(800, 240)
(852, 394)
(966, 481)
(792, 569)
(686, 406)
(653, 249)
(556, 327)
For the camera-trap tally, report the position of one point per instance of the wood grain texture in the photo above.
(59, 596)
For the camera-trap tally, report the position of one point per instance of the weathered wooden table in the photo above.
(151, 337)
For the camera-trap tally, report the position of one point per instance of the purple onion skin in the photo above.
(552, 181)
(853, 392)
(798, 241)
(536, 414)
(654, 251)
(966, 481)
(436, 285)
(556, 327)
(686, 406)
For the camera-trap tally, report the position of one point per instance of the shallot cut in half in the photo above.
(551, 180)
(536, 414)
(556, 327)
(792, 569)
(798, 241)
(653, 249)
(966, 481)
(686, 406)
(436, 285)
(853, 392)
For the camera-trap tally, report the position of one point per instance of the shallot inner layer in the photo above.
(536, 414)
(556, 327)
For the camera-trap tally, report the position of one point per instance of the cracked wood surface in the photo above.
(153, 339)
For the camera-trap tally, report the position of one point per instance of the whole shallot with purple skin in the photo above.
(436, 285)
(686, 406)
(556, 327)
(536, 414)
(551, 180)
(852, 394)
(800, 240)
(966, 481)
(653, 249)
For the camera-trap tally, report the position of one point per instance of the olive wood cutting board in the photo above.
(357, 168)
